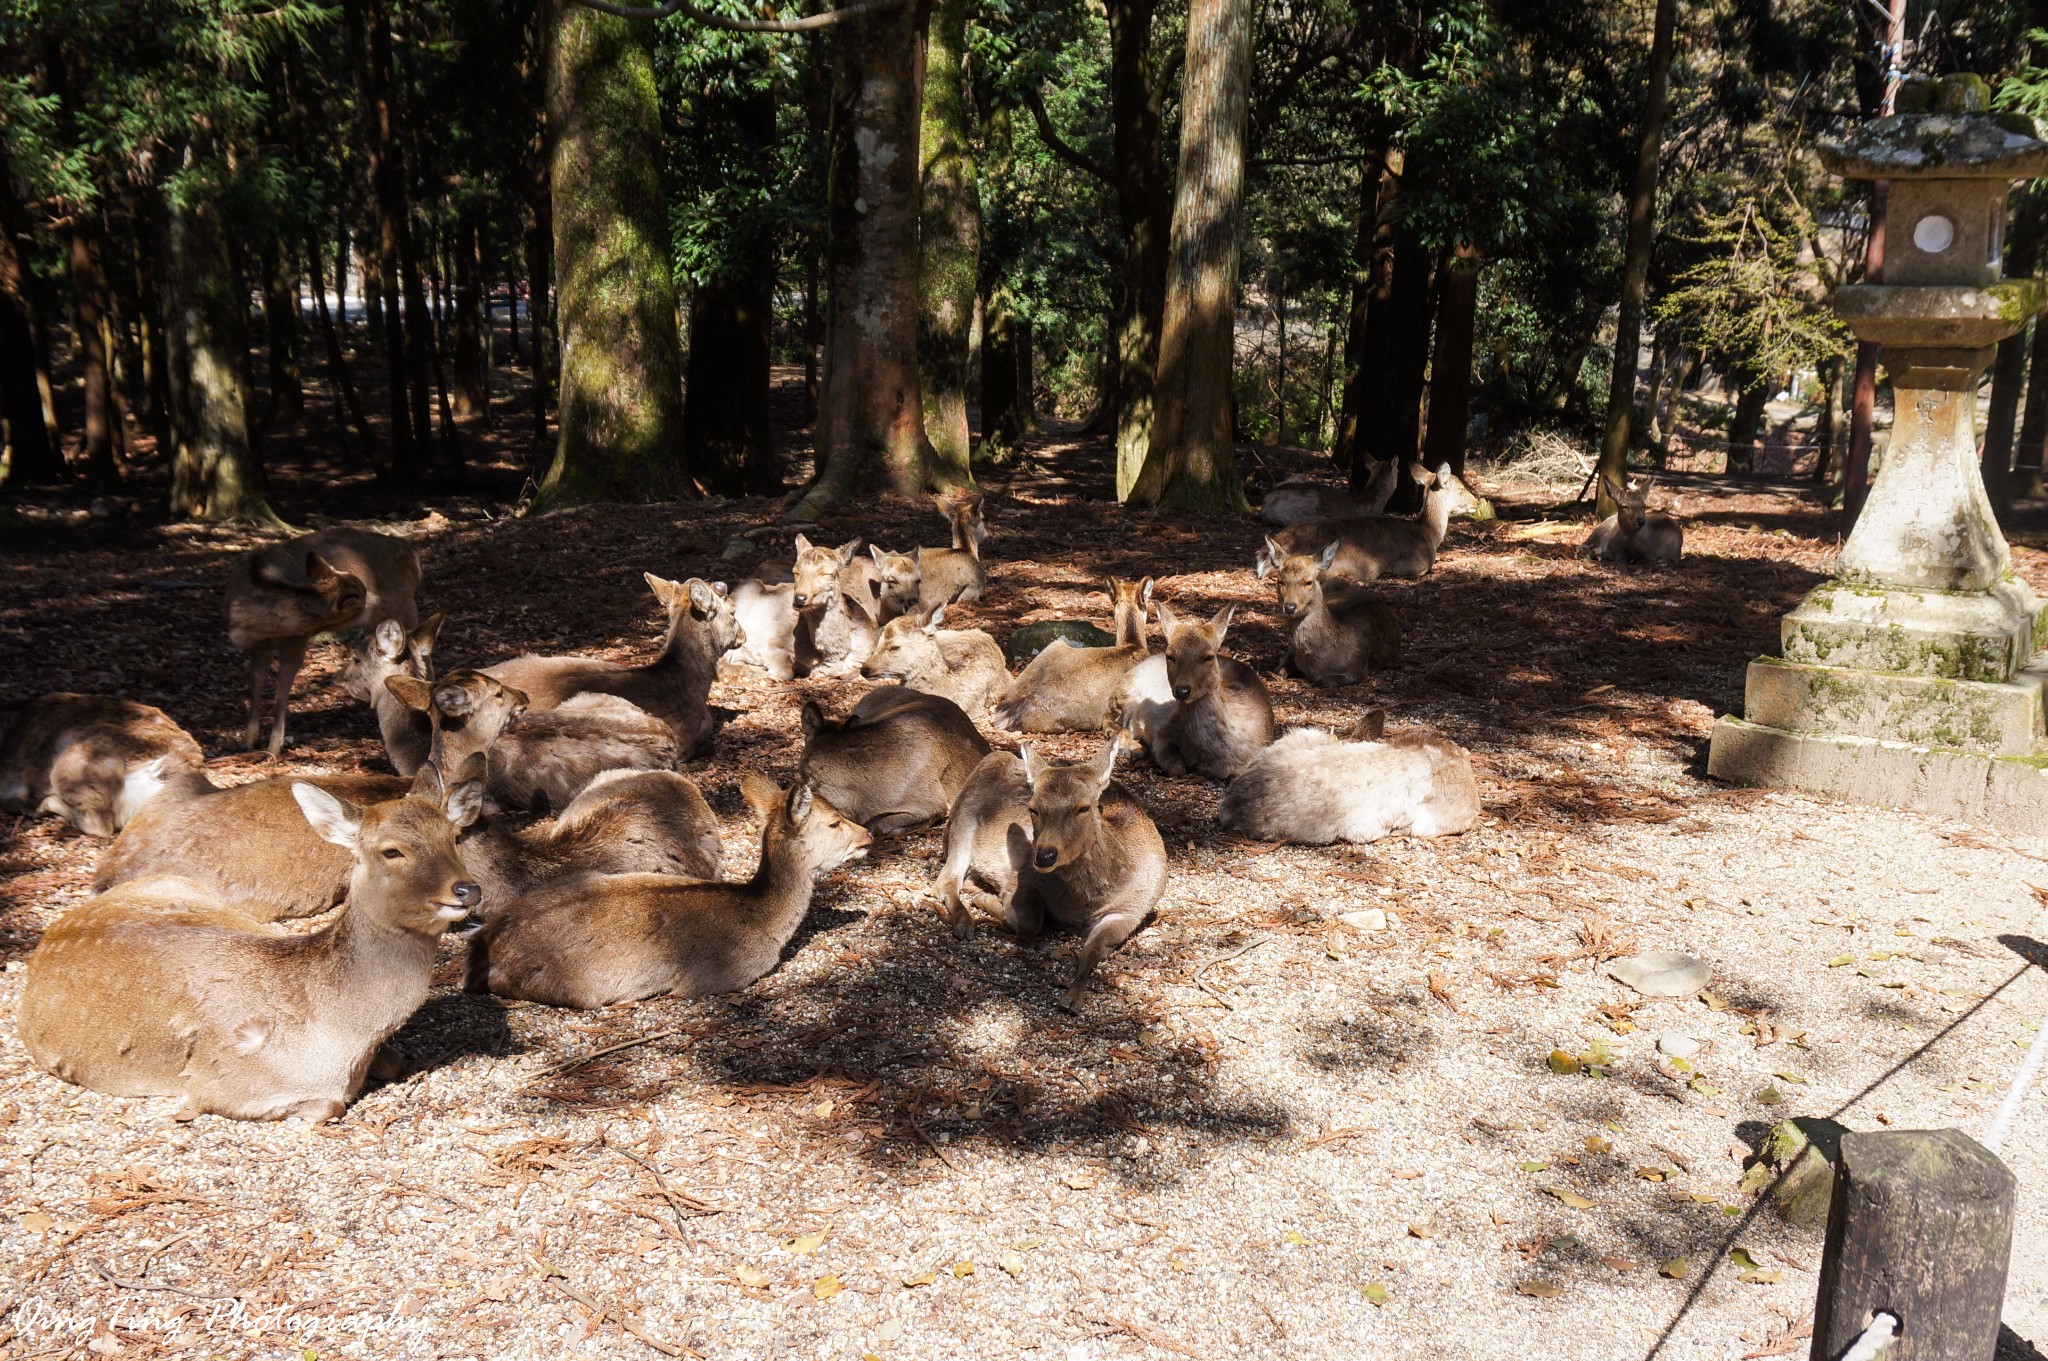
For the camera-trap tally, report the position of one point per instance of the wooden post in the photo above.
(1920, 1228)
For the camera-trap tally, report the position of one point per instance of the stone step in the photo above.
(1998, 718)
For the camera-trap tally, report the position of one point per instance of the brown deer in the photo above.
(1341, 635)
(1301, 499)
(1635, 533)
(162, 988)
(956, 573)
(1028, 837)
(766, 615)
(964, 665)
(599, 939)
(93, 760)
(832, 637)
(895, 762)
(1371, 547)
(1222, 716)
(389, 650)
(674, 687)
(1313, 787)
(897, 583)
(280, 597)
(1080, 689)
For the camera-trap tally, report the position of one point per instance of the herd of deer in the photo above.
(179, 977)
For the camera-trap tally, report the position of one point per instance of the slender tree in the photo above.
(949, 243)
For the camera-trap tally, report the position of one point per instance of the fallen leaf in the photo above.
(1296, 1237)
(1375, 1294)
(808, 1243)
(1563, 1062)
(35, 1221)
(1743, 1259)
(912, 1282)
(1839, 960)
(1535, 1165)
(499, 1289)
(827, 1287)
(1011, 1262)
(823, 1110)
(1770, 1096)
(1761, 1277)
(1081, 1181)
(1714, 1001)
(1541, 1289)
(963, 1269)
(1425, 1229)
(1571, 1198)
(1674, 1267)
(1596, 1144)
(1406, 1176)
(1619, 1263)
(750, 1275)
(1653, 1173)
(1787, 1075)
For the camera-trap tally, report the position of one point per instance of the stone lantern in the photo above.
(1905, 678)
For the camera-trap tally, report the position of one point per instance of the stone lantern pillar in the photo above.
(1905, 679)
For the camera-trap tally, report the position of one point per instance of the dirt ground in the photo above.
(1269, 1134)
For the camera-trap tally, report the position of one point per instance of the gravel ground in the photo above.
(1268, 1134)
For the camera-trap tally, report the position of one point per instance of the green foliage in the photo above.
(1748, 301)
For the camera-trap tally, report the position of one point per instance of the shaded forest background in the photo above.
(543, 252)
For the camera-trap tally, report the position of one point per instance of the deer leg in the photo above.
(1105, 935)
(259, 669)
(289, 659)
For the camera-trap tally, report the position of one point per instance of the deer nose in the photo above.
(469, 895)
(799, 600)
(1046, 858)
(1180, 692)
(1289, 608)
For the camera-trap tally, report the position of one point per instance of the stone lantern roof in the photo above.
(1947, 133)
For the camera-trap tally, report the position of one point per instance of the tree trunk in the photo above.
(1635, 268)
(726, 433)
(89, 311)
(870, 418)
(371, 40)
(949, 238)
(1365, 343)
(1144, 202)
(1745, 426)
(2033, 422)
(33, 458)
(540, 312)
(1450, 381)
(472, 375)
(1827, 427)
(2008, 377)
(346, 397)
(214, 475)
(1005, 376)
(1190, 461)
(621, 411)
(281, 329)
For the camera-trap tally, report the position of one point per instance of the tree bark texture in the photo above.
(949, 239)
(1144, 201)
(33, 458)
(1190, 461)
(1365, 345)
(621, 408)
(214, 474)
(870, 419)
(88, 313)
(2008, 377)
(281, 330)
(2026, 464)
(472, 378)
(1450, 370)
(1635, 264)
(372, 44)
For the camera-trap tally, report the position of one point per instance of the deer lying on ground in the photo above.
(162, 988)
(766, 615)
(674, 687)
(1371, 547)
(389, 650)
(1028, 837)
(1635, 533)
(1222, 716)
(1341, 635)
(956, 573)
(896, 582)
(280, 597)
(599, 939)
(964, 665)
(1300, 499)
(1080, 689)
(93, 760)
(832, 638)
(895, 762)
(1313, 787)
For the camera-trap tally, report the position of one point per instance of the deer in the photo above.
(674, 687)
(390, 650)
(1635, 533)
(1030, 836)
(895, 762)
(1222, 716)
(766, 614)
(955, 574)
(595, 940)
(1301, 499)
(964, 665)
(1371, 547)
(1079, 689)
(1314, 787)
(280, 597)
(161, 987)
(1340, 634)
(830, 638)
(897, 582)
(92, 760)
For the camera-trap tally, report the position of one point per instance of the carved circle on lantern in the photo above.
(1934, 233)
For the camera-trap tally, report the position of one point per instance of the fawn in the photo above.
(163, 988)
(674, 687)
(1314, 787)
(599, 939)
(1079, 689)
(1300, 499)
(897, 583)
(895, 762)
(93, 760)
(280, 597)
(956, 573)
(1370, 547)
(964, 665)
(1028, 837)
(1341, 635)
(1222, 716)
(1635, 533)
(831, 639)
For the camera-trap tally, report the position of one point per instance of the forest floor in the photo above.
(1267, 1134)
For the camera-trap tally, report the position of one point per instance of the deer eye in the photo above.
(393, 853)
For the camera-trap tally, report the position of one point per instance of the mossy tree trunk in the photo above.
(1190, 461)
(621, 406)
(870, 418)
(949, 264)
(1144, 201)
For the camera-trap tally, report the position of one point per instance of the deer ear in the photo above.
(429, 630)
(389, 639)
(935, 619)
(1033, 767)
(1167, 619)
(1103, 767)
(762, 794)
(1326, 557)
(1145, 591)
(426, 784)
(800, 802)
(411, 691)
(1423, 476)
(454, 699)
(814, 719)
(1221, 621)
(318, 570)
(880, 556)
(664, 589)
(703, 600)
(464, 802)
(803, 544)
(846, 551)
(335, 819)
(721, 588)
